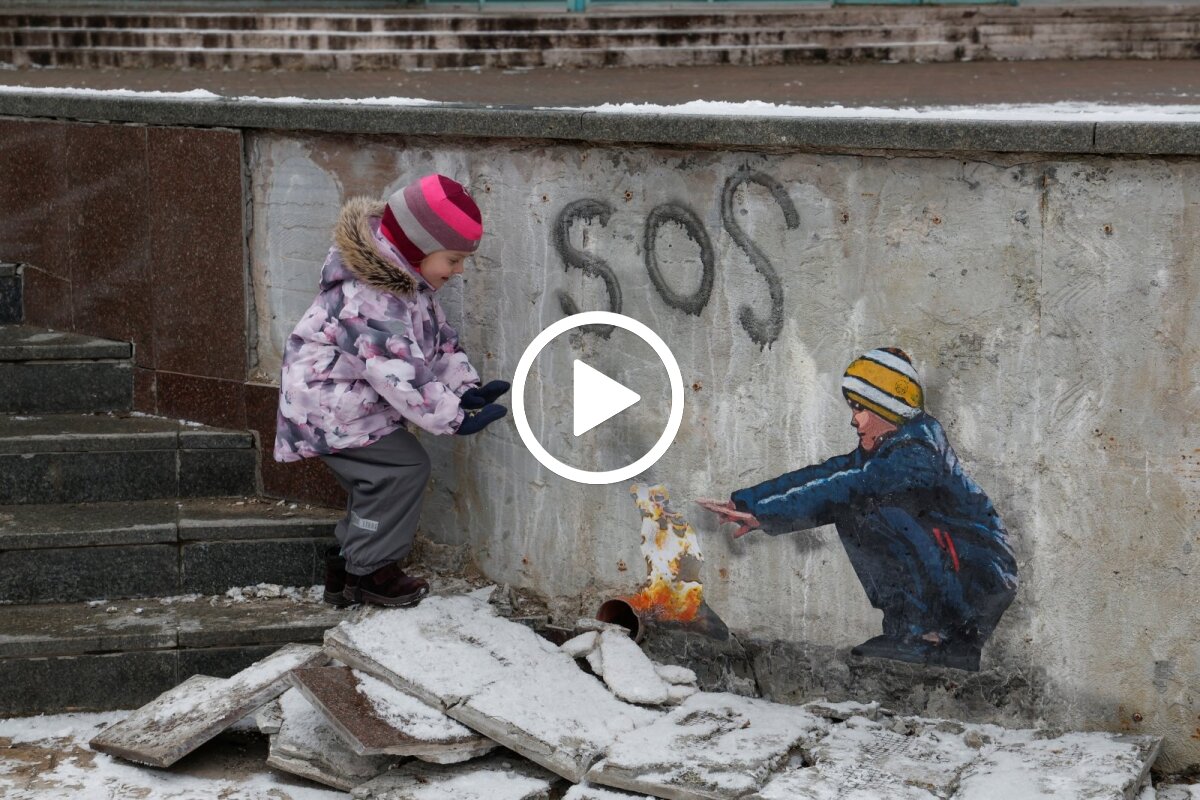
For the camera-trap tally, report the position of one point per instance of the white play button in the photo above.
(598, 397)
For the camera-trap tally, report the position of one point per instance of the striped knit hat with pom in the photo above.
(885, 382)
(431, 214)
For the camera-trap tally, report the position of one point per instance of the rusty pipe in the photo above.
(619, 611)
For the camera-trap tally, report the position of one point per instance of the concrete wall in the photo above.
(1049, 303)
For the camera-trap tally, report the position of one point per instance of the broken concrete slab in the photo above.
(494, 676)
(1034, 765)
(553, 714)
(930, 757)
(864, 759)
(492, 778)
(840, 712)
(713, 746)
(579, 646)
(678, 693)
(375, 719)
(308, 746)
(440, 652)
(629, 672)
(676, 676)
(269, 718)
(584, 791)
(813, 783)
(1176, 792)
(181, 719)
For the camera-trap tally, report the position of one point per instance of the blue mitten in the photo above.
(475, 421)
(480, 397)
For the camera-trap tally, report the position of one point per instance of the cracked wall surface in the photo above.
(1049, 304)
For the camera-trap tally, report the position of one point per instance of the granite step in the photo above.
(92, 551)
(123, 653)
(61, 458)
(10, 294)
(54, 372)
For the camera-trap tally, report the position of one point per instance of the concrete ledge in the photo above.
(939, 135)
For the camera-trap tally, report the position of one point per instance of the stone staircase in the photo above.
(380, 41)
(121, 533)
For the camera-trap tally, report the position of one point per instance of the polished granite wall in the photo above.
(138, 233)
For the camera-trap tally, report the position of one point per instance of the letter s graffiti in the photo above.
(762, 331)
(586, 209)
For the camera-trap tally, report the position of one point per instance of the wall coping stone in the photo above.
(507, 122)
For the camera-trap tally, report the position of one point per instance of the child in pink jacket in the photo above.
(373, 355)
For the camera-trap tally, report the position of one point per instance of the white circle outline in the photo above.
(535, 349)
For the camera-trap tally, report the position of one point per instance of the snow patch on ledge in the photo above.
(1033, 112)
(1066, 111)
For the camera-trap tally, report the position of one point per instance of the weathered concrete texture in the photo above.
(495, 676)
(790, 672)
(308, 746)
(493, 778)
(1032, 291)
(375, 719)
(712, 746)
(719, 665)
(182, 719)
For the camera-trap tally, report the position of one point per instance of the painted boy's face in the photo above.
(442, 265)
(870, 426)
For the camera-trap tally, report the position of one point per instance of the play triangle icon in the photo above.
(598, 397)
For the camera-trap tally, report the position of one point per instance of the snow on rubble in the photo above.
(451, 679)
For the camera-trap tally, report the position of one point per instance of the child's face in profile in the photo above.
(442, 265)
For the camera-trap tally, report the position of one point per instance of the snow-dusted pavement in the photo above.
(560, 725)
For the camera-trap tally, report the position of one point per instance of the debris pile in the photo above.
(450, 700)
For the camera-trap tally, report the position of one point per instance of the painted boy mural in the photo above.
(924, 540)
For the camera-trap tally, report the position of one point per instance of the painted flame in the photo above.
(669, 546)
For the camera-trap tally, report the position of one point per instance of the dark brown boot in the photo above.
(387, 586)
(335, 577)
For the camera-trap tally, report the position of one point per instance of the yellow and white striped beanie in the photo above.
(885, 382)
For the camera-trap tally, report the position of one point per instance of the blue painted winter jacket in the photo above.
(914, 469)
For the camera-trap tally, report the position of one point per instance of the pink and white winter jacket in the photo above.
(373, 351)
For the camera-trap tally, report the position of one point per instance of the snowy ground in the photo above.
(47, 757)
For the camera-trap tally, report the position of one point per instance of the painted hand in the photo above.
(728, 512)
(480, 397)
(475, 421)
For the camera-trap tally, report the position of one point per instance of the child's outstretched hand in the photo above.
(475, 421)
(488, 393)
(728, 512)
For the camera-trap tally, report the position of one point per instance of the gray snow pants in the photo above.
(386, 484)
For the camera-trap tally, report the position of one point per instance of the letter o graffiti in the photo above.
(683, 216)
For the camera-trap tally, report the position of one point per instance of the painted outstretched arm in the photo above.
(789, 503)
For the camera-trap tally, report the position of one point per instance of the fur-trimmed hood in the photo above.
(357, 243)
